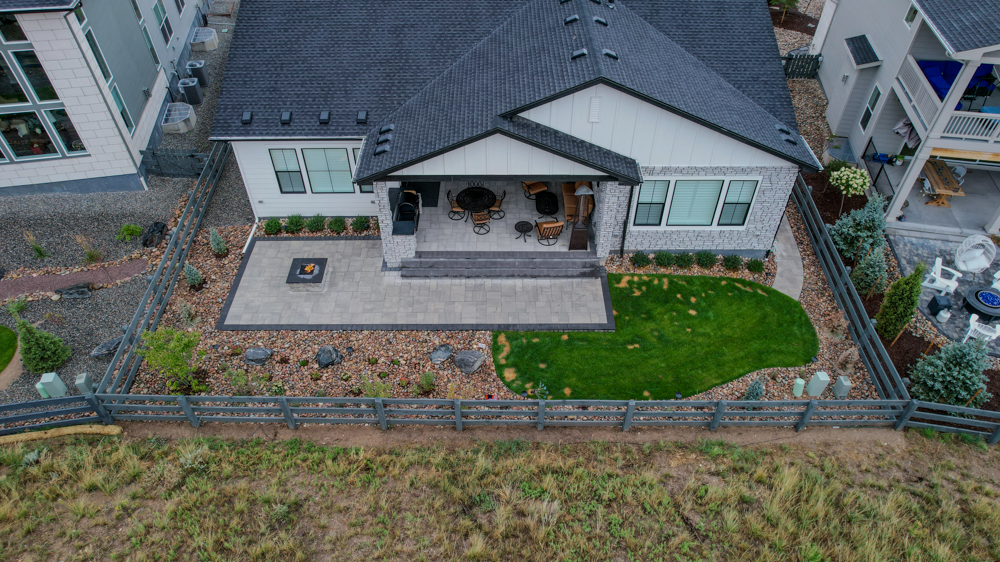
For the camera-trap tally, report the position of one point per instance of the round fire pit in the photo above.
(984, 301)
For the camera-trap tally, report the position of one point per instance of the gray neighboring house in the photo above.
(686, 135)
(83, 84)
(933, 63)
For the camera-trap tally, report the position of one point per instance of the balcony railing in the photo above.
(919, 95)
(981, 127)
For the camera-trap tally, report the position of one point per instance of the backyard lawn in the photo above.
(683, 334)
(8, 344)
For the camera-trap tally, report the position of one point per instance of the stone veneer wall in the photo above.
(394, 248)
(610, 207)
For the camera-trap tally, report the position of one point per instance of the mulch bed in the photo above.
(828, 199)
(794, 21)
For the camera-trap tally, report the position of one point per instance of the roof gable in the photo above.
(965, 25)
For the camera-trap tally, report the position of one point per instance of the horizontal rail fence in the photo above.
(51, 412)
(873, 354)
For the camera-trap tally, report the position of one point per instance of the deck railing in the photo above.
(967, 125)
(918, 93)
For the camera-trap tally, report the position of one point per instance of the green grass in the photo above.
(8, 344)
(673, 334)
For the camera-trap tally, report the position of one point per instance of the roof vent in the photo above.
(781, 129)
(595, 110)
(571, 19)
(563, 1)
(324, 117)
(362, 117)
(789, 139)
(579, 53)
(383, 138)
(596, 1)
(381, 149)
(610, 54)
(286, 117)
(386, 129)
(247, 117)
(601, 21)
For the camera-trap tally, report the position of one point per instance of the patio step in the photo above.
(501, 265)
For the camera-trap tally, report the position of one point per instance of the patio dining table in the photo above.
(476, 199)
(943, 182)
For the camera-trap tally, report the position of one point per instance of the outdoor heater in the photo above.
(578, 235)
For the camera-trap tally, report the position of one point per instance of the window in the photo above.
(35, 74)
(65, 130)
(736, 206)
(10, 90)
(80, 16)
(652, 198)
(138, 14)
(911, 15)
(694, 202)
(161, 19)
(870, 108)
(149, 44)
(96, 49)
(10, 30)
(328, 169)
(180, 6)
(25, 135)
(117, 96)
(286, 167)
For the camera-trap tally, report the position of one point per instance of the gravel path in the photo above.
(809, 103)
(49, 283)
(230, 205)
(82, 324)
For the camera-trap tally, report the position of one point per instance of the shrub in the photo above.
(338, 225)
(953, 375)
(375, 389)
(663, 259)
(900, 301)
(303, 363)
(315, 376)
(705, 259)
(426, 383)
(834, 166)
(870, 273)
(127, 232)
(316, 224)
(640, 259)
(850, 180)
(41, 352)
(732, 262)
(683, 260)
(171, 353)
(239, 380)
(755, 265)
(272, 226)
(860, 230)
(40, 252)
(217, 242)
(755, 391)
(193, 276)
(359, 224)
(90, 253)
(294, 223)
(17, 306)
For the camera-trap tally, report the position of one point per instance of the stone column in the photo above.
(394, 248)
(610, 208)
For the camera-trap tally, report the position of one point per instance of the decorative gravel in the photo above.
(623, 264)
(230, 205)
(809, 103)
(789, 40)
(812, 8)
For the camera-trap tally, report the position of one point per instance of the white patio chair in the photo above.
(996, 280)
(975, 254)
(981, 331)
(939, 280)
(959, 171)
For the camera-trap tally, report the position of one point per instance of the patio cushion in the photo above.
(534, 187)
(973, 260)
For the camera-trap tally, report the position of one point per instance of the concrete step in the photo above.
(534, 273)
(930, 232)
(426, 263)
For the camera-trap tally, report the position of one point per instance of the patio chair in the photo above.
(960, 171)
(496, 213)
(975, 254)
(533, 188)
(938, 281)
(481, 223)
(548, 232)
(981, 331)
(926, 190)
(456, 213)
(996, 280)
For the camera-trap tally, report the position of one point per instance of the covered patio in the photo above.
(975, 212)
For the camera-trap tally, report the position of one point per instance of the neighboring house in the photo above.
(82, 87)
(677, 112)
(932, 62)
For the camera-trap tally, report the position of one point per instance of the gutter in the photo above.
(71, 6)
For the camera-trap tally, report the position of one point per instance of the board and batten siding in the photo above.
(651, 135)
(497, 155)
(254, 160)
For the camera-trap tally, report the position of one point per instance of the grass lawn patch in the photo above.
(8, 344)
(683, 334)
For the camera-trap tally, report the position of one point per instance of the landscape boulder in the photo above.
(154, 235)
(107, 348)
(78, 291)
(328, 355)
(441, 354)
(468, 360)
(257, 356)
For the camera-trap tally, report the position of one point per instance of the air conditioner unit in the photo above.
(179, 118)
(205, 39)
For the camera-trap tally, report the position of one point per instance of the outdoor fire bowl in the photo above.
(306, 270)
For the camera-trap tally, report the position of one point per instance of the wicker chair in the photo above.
(481, 223)
(496, 213)
(533, 188)
(975, 254)
(548, 232)
(456, 213)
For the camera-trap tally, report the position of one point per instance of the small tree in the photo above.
(953, 375)
(784, 5)
(218, 243)
(41, 352)
(755, 391)
(171, 353)
(193, 276)
(900, 302)
(862, 231)
(870, 273)
(849, 181)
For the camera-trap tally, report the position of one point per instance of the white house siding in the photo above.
(84, 100)
(267, 200)
(497, 155)
(651, 135)
(149, 121)
(886, 141)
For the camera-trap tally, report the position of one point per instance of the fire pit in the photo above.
(984, 301)
(306, 270)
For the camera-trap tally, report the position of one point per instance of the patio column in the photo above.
(394, 248)
(610, 208)
(910, 179)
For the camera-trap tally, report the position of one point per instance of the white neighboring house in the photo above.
(934, 63)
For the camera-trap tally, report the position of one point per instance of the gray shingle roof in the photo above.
(964, 24)
(35, 5)
(861, 50)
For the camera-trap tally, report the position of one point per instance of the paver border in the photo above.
(608, 326)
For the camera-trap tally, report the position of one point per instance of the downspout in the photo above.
(128, 147)
(628, 211)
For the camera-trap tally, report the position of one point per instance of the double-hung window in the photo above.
(329, 170)
(96, 49)
(652, 198)
(286, 168)
(911, 15)
(694, 202)
(737, 203)
(122, 109)
(180, 6)
(870, 108)
(161, 19)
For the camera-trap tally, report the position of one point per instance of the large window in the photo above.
(122, 110)
(652, 198)
(149, 45)
(328, 169)
(161, 19)
(65, 130)
(10, 90)
(96, 49)
(26, 136)
(286, 168)
(870, 108)
(737, 204)
(138, 14)
(35, 74)
(10, 30)
(694, 202)
(911, 15)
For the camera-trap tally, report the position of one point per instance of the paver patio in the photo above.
(358, 295)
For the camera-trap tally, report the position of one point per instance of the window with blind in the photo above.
(652, 199)
(694, 202)
(328, 169)
(737, 204)
(286, 168)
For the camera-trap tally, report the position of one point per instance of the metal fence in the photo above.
(875, 163)
(174, 163)
(801, 65)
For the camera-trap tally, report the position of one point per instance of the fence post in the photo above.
(905, 416)
(380, 410)
(287, 412)
(182, 401)
(717, 418)
(458, 415)
(804, 421)
(627, 423)
(994, 438)
(541, 414)
(99, 408)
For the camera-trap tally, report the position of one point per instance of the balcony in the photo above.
(918, 95)
(969, 126)
(923, 100)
